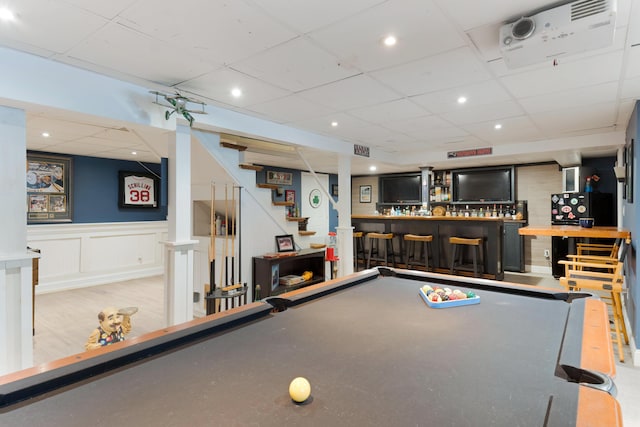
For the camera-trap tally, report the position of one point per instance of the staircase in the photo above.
(293, 224)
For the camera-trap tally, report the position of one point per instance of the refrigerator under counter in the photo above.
(568, 208)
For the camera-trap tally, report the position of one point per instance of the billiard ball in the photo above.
(299, 389)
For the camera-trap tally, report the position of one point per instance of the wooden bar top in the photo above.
(575, 231)
(429, 218)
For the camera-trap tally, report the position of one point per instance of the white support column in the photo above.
(16, 342)
(180, 247)
(344, 230)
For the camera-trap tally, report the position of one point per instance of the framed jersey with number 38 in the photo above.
(138, 190)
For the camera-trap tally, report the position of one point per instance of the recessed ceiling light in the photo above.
(135, 153)
(236, 92)
(390, 40)
(372, 168)
(334, 124)
(45, 134)
(497, 126)
(462, 100)
(6, 14)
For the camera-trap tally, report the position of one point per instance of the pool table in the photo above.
(374, 352)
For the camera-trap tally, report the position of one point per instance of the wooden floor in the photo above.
(64, 321)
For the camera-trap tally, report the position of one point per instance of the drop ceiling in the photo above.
(305, 64)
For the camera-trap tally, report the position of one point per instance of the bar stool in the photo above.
(425, 250)
(458, 254)
(358, 249)
(375, 251)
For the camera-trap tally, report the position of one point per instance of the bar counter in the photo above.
(441, 228)
(575, 231)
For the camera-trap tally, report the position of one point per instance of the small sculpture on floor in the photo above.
(114, 325)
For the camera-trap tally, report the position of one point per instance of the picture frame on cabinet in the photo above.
(284, 243)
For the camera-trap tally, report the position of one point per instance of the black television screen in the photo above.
(400, 189)
(484, 185)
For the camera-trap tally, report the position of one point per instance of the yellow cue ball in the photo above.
(299, 389)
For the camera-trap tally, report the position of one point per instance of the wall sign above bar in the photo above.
(360, 150)
(468, 153)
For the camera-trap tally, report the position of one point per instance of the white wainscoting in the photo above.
(80, 255)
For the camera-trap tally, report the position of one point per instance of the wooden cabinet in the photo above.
(267, 271)
(513, 254)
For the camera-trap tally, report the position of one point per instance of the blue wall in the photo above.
(261, 177)
(630, 221)
(95, 191)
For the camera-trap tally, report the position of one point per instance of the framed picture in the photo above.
(48, 185)
(137, 190)
(285, 243)
(275, 276)
(280, 178)
(315, 198)
(334, 190)
(365, 194)
(628, 162)
(290, 196)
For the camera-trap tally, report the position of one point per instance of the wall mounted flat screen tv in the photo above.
(486, 185)
(400, 189)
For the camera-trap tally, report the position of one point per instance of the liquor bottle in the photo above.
(466, 211)
(494, 213)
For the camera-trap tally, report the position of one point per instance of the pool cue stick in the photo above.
(233, 233)
(239, 234)
(223, 251)
(212, 243)
(226, 238)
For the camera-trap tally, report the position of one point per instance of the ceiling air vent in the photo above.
(583, 9)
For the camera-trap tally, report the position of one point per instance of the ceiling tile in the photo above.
(461, 67)
(419, 26)
(218, 84)
(227, 31)
(107, 9)
(306, 16)
(295, 66)
(487, 92)
(400, 109)
(354, 92)
(570, 98)
(323, 124)
(568, 75)
(483, 113)
(34, 25)
(599, 117)
(472, 14)
(519, 128)
(633, 62)
(290, 109)
(161, 63)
